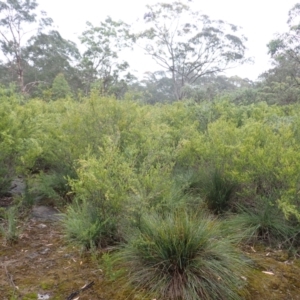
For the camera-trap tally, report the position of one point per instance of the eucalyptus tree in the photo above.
(100, 62)
(18, 19)
(60, 87)
(287, 45)
(210, 86)
(189, 45)
(47, 55)
(281, 83)
(157, 87)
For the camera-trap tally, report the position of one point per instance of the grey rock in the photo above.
(42, 226)
(45, 251)
(43, 296)
(32, 255)
(18, 186)
(46, 213)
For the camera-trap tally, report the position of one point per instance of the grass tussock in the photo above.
(84, 226)
(9, 228)
(263, 223)
(183, 257)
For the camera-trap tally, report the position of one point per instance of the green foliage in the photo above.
(18, 18)
(60, 87)
(208, 47)
(5, 180)
(104, 181)
(28, 198)
(50, 186)
(280, 84)
(9, 227)
(156, 87)
(126, 156)
(256, 150)
(107, 263)
(85, 225)
(219, 193)
(213, 187)
(50, 54)
(31, 296)
(263, 223)
(102, 186)
(182, 257)
(100, 65)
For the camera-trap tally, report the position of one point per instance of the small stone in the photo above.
(45, 251)
(18, 186)
(268, 273)
(42, 226)
(32, 255)
(46, 213)
(43, 296)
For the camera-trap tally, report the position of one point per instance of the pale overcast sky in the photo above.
(260, 20)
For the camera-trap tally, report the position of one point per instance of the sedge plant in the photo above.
(178, 256)
(84, 225)
(9, 228)
(263, 222)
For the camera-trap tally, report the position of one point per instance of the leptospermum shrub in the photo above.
(255, 146)
(102, 185)
(178, 256)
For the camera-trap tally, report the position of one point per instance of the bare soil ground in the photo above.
(41, 265)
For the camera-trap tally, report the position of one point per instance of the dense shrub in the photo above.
(5, 180)
(254, 146)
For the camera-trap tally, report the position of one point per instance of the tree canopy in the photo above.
(192, 53)
(16, 16)
(188, 44)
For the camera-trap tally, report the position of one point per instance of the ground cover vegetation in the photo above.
(169, 178)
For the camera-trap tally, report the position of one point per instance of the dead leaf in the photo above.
(268, 273)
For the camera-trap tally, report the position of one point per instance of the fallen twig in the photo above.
(76, 293)
(10, 278)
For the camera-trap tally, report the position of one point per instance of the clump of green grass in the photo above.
(263, 223)
(9, 227)
(183, 257)
(5, 178)
(214, 187)
(85, 226)
(52, 184)
(219, 193)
